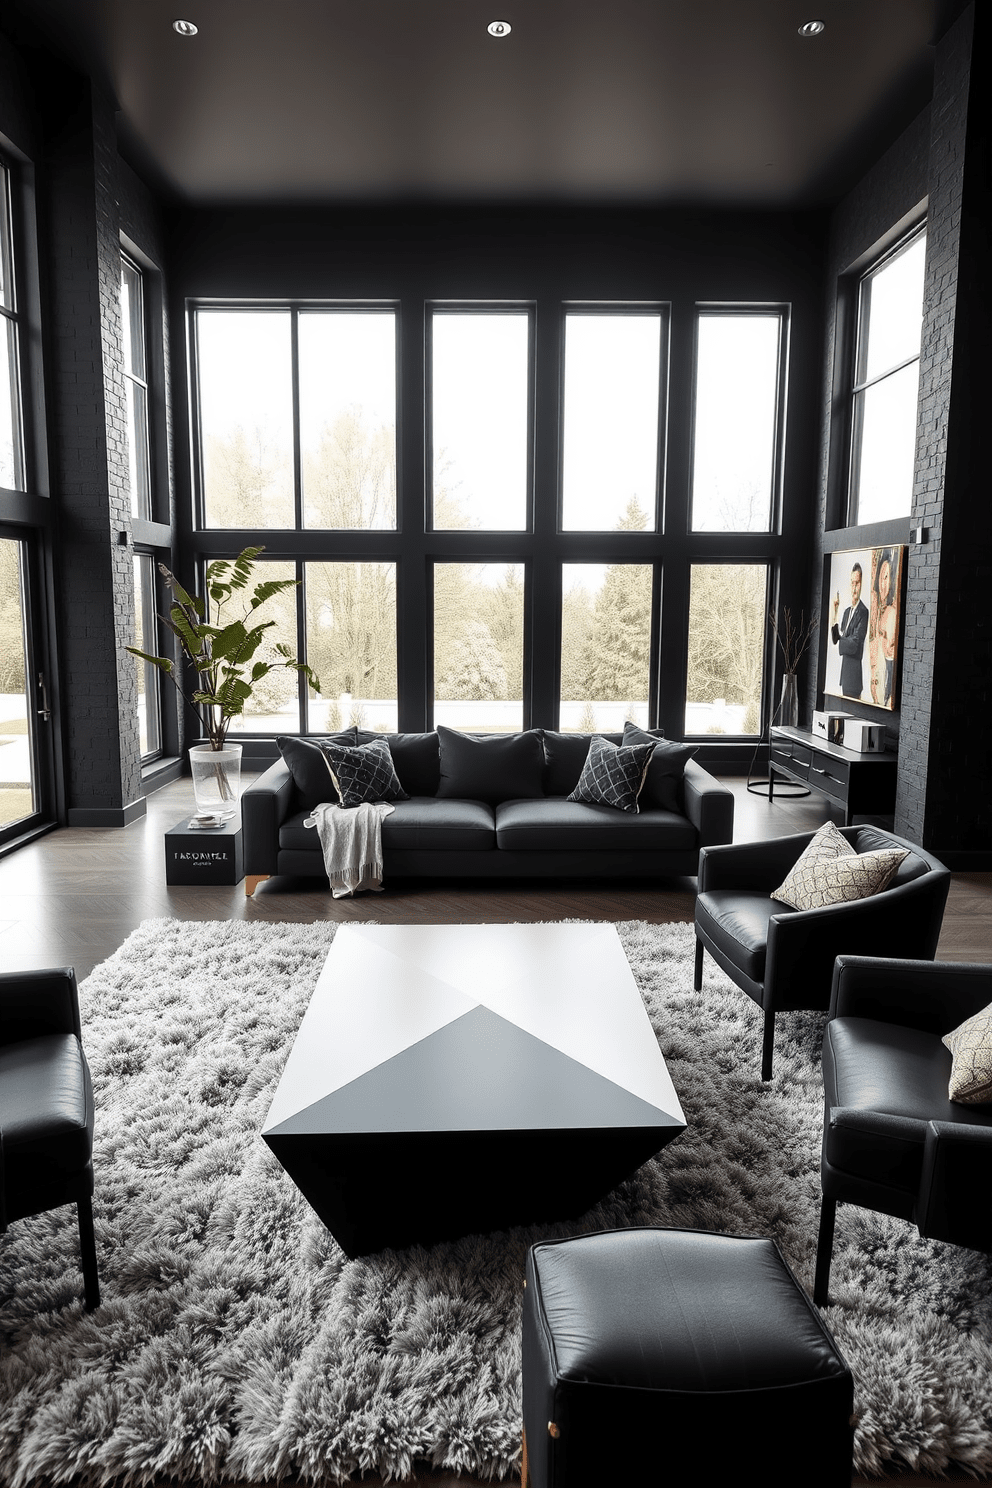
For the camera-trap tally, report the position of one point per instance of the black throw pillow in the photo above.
(564, 756)
(490, 767)
(613, 774)
(416, 760)
(308, 766)
(663, 786)
(363, 773)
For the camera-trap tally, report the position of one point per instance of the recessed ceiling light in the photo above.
(499, 28)
(811, 28)
(184, 28)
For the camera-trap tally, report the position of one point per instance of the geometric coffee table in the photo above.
(454, 1079)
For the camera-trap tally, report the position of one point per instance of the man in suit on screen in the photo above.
(849, 637)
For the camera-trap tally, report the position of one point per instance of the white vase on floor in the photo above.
(216, 779)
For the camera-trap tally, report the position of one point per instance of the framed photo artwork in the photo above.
(864, 612)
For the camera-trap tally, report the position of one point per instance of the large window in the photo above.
(886, 384)
(611, 421)
(296, 418)
(735, 421)
(480, 420)
(11, 426)
(537, 548)
(148, 677)
(136, 380)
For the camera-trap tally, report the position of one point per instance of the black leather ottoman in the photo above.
(679, 1356)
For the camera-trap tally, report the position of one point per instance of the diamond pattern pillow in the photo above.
(839, 878)
(828, 842)
(363, 773)
(971, 1064)
(613, 774)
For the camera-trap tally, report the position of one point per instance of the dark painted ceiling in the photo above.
(656, 101)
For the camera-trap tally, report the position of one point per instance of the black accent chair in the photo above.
(784, 958)
(46, 1107)
(892, 1140)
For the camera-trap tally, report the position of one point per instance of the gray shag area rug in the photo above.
(235, 1340)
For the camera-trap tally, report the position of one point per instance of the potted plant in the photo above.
(221, 651)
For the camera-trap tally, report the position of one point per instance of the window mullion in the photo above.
(297, 450)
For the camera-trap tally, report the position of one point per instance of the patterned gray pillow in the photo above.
(363, 773)
(613, 774)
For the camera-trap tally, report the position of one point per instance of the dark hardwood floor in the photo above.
(73, 896)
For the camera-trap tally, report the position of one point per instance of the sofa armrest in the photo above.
(933, 996)
(36, 1003)
(954, 1187)
(708, 805)
(265, 805)
(750, 865)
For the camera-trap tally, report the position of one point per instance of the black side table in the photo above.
(205, 855)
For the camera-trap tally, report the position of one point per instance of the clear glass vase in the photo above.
(787, 712)
(216, 779)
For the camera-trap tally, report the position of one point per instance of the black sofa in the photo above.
(533, 832)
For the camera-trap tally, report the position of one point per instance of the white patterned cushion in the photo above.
(613, 774)
(840, 879)
(971, 1065)
(363, 773)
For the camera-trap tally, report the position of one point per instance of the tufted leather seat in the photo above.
(46, 1107)
(644, 1348)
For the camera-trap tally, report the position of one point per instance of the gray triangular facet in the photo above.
(478, 1073)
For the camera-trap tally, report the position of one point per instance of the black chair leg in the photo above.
(698, 979)
(824, 1250)
(87, 1245)
(768, 1046)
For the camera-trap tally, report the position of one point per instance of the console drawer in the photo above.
(787, 761)
(829, 775)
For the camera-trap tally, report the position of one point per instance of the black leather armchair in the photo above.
(46, 1107)
(892, 1140)
(784, 958)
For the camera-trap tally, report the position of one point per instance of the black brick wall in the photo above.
(89, 450)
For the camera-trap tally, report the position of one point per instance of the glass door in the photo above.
(24, 714)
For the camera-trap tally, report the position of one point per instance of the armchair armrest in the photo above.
(265, 805)
(934, 996)
(708, 805)
(803, 945)
(35, 1003)
(750, 865)
(955, 1184)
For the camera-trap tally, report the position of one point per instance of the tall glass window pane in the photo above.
(274, 707)
(245, 383)
(478, 646)
(479, 408)
(351, 645)
(348, 418)
(735, 422)
(605, 646)
(610, 447)
(11, 440)
(17, 786)
(146, 639)
(136, 382)
(886, 390)
(728, 609)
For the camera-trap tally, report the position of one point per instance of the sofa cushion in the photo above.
(663, 783)
(425, 823)
(736, 920)
(490, 767)
(420, 823)
(308, 766)
(363, 772)
(554, 824)
(613, 775)
(416, 760)
(564, 756)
